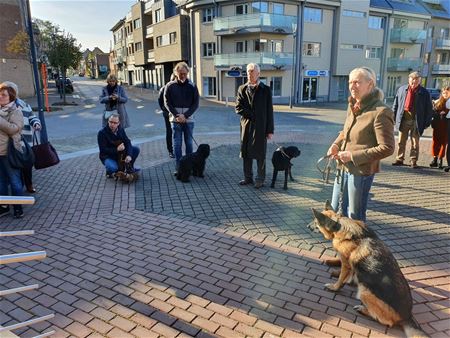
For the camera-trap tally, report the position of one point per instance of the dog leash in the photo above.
(328, 169)
(281, 149)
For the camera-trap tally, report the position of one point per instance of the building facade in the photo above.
(15, 67)
(306, 49)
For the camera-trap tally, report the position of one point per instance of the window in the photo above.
(312, 15)
(241, 47)
(260, 46)
(426, 58)
(445, 33)
(393, 82)
(209, 14)
(137, 23)
(138, 46)
(241, 9)
(158, 15)
(400, 23)
(158, 41)
(352, 46)
(276, 46)
(275, 85)
(260, 7)
(278, 8)
(398, 53)
(172, 37)
(430, 32)
(354, 14)
(209, 86)
(209, 49)
(311, 49)
(376, 22)
(373, 53)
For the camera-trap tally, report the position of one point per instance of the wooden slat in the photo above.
(16, 200)
(22, 257)
(16, 233)
(19, 289)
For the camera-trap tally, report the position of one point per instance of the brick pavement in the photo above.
(232, 261)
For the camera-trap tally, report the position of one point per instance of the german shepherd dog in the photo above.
(382, 288)
(281, 160)
(193, 163)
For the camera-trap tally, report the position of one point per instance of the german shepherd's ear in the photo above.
(325, 221)
(328, 205)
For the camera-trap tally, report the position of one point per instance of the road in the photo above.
(75, 128)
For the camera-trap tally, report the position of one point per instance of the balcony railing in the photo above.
(259, 22)
(151, 55)
(149, 31)
(443, 43)
(275, 60)
(408, 35)
(403, 65)
(441, 69)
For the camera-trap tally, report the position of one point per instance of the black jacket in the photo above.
(161, 101)
(423, 107)
(108, 142)
(181, 98)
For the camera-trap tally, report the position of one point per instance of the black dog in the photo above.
(281, 160)
(193, 163)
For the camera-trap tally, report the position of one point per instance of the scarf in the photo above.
(6, 109)
(111, 89)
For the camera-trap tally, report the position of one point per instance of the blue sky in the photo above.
(88, 21)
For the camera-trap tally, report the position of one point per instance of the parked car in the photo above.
(68, 85)
(434, 93)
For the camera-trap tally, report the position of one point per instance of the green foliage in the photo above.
(63, 52)
(19, 44)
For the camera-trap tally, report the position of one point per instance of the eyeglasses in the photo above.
(113, 122)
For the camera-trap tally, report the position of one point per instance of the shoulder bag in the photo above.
(20, 159)
(46, 156)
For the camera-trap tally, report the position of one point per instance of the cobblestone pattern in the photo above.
(113, 271)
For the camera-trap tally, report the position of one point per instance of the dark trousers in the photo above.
(168, 134)
(27, 175)
(261, 169)
(448, 142)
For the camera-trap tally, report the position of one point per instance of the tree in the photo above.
(64, 53)
(19, 44)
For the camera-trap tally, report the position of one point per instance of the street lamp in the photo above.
(294, 45)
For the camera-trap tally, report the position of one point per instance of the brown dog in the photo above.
(125, 173)
(382, 288)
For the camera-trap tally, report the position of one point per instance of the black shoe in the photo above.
(4, 210)
(175, 173)
(171, 155)
(259, 185)
(447, 169)
(434, 163)
(440, 165)
(246, 182)
(108, 175)
(18, 212)
(398, 162)
(414, 165)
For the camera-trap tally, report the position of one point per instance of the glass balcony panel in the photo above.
(441, 69)
(263, 59)
(403, 65)
(233, 23)
(443, 43)
(408, 35)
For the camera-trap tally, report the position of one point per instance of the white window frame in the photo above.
(314, 47)
(352, 46)
(209, 86)
(209, 49)
(209, 14)
(375, 22)
(373, 52)
(244, 9)
(353, 14)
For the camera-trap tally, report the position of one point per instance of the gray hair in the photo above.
(111, 77)
(370, 75)
(180, 65)
(115, 115)
(415, 74)
(253, 66)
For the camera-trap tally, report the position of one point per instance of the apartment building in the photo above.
(119, 52)
(436, 69)
(306, 49)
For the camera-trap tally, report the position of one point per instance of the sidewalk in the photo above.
(213, 259)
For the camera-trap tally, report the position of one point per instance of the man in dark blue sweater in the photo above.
(113, 140)
(181, 100)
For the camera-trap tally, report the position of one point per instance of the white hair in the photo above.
(253, 66)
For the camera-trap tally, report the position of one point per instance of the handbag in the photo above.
(45, 155)
(20, 159)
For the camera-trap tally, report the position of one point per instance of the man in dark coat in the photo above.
(165, 112)
(254, 104)
(112, 140)
(413, 111)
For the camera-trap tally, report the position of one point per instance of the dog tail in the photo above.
(412, 329)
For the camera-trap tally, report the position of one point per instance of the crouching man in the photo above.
(114, 146)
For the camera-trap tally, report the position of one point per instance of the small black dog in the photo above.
(281, 160)
(193, 163)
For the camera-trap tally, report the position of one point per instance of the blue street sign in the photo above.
(234, 73)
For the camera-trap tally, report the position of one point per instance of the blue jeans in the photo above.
(112, 166)
(355, 195)
(181, 130)
(12, 176)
